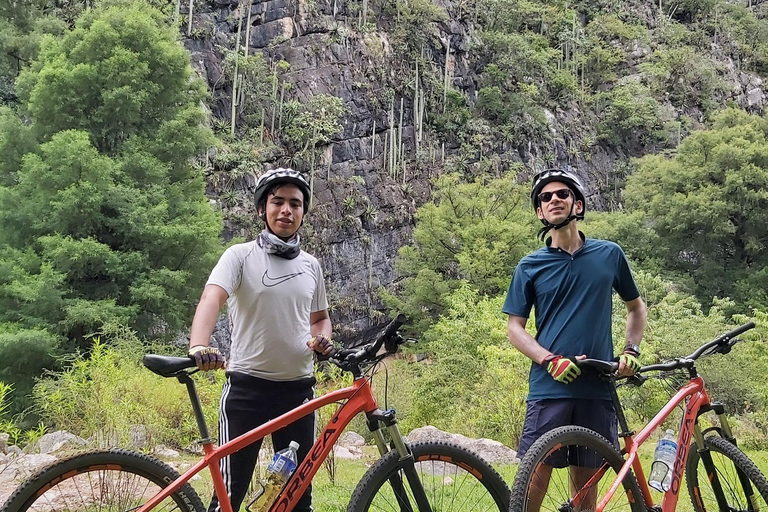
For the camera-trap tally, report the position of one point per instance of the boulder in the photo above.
(490, 450)
(351, 439)
(164, 452)
(347, 452)
(56, 441)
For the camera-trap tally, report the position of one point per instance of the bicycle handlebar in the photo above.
(389, 337)
(722, 342)
(348, 359)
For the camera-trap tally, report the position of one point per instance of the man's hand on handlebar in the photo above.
(628, 365)
(562, 369)
(321, 345)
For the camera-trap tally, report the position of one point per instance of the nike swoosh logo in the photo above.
(269, 281)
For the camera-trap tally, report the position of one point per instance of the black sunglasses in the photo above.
(563, 193)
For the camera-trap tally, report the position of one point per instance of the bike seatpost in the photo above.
(205, 437)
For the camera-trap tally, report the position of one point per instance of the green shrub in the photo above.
(631, 116)
(109, 397)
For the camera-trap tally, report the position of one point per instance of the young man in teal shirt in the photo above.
(570, 284)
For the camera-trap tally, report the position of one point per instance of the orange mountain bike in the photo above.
(426, 476)
(573, 468)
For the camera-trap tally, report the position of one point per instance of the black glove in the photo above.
(206, 358)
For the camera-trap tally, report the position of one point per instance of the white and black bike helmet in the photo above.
(270, 179)
(572, 182)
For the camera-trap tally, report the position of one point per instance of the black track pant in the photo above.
(246, 403)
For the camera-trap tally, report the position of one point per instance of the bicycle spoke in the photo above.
(727, 460)
(448, 488)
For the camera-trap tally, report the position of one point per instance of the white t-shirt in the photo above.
(270, 300)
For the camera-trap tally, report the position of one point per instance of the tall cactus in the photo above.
(237, 71)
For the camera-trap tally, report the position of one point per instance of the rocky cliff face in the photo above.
(364, 211)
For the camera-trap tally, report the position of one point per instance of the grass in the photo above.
(334, 496)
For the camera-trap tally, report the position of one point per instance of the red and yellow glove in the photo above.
(561, 368)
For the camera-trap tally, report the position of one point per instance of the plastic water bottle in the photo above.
(663, 462)
(279, 472)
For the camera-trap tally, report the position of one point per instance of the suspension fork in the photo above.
(706, 457)
(376, 420)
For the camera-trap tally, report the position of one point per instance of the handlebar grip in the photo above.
(738, 330)
(394, 325)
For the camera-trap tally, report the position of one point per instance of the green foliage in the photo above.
(255, 84)
(742, 33)
(22, 25)
(475, 383)
(120, 73)
(15, 141)
(474, 232)
(707, 206)
(527, 58)
(306, 125)
(515, 113)
(452, 121)
(23, 352)
(108, 396)
(630, 230)
(684, 76)
(103, 218)
(631, 116)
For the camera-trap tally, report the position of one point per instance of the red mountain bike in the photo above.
(573, 468)
(426, 476)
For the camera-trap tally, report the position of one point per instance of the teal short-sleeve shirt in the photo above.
(571, 295)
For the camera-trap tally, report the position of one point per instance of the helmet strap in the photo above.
(549, 226)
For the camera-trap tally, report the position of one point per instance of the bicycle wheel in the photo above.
(581, 465)
(726, 458)
(454, 479)
(103, 481)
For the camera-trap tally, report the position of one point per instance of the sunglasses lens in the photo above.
(563, 193)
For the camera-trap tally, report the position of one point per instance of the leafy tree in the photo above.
(630, 230)
(475, 383)
(22, 25)
(120, 73)
(631, 117)
(474, 232)
(708, 207)
(103, 217)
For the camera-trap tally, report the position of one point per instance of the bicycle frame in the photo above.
(359, 398)
(696, 394)
(698, 402)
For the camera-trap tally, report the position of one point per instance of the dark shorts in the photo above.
(545, 415)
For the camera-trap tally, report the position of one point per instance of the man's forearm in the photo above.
(206, 316)
(323, 327)
(636, 321)
(524, 342)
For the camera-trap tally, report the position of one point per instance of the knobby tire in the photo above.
(109, 481)
(453, 478)
(572, 444)
(726, 457)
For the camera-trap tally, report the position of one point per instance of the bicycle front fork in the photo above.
(379, 418)
(706, 455)
(376, 420)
